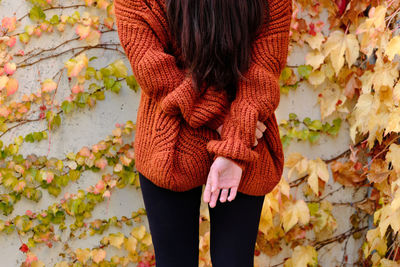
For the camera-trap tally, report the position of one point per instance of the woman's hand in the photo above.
(259, 131)
(224, 174)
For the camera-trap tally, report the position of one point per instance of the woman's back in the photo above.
(176, 141)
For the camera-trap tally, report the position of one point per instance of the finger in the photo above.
(261, 126)
(214, 197)
(224, 195)
(219, 129)
(213, 179)
(207, 189)
(259, 134)
(232, 194)
(207, 192)
(255, 142)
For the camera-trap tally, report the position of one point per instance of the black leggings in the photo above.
(174, 225)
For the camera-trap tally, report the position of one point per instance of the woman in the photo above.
(208, 71)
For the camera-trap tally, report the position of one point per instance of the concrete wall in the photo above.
(90, 126)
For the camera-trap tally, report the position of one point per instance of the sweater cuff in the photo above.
(242, 164)
(209, 108)
(237, 136)
(181, 99)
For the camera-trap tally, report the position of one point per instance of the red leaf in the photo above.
(341, 4)
(24, 248)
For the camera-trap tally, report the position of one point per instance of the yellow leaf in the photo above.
(315, 59)
(303, 256)
(331, 95)
(3, 81)
(76, 65)
(147, 239)
(315, 41)
(366, 80)
(266, 221)
(316, 78)
(49, 85)
(388, 263)
(322, 169)
(394, 156)
(317, 169)
(82, 255)
(376, 242)
(98, 255)
(352, 49)
(12, 86)
(361, 113)
(94, 38)
(37, 264)
(385, 73)
(294, 213)
(293, 159)
(116, 239)
(61, 264)
(138, 232)
(130, 244)
(340, 46)
(393, 47)
(393, 124)
(396, 93)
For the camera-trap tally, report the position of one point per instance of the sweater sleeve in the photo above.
(257, 95)
(157, 73)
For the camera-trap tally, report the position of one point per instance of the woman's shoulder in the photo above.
(131, 5)
(140, 7)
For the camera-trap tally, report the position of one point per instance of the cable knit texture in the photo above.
(176, 139)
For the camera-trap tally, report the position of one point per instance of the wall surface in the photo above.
(89, 126)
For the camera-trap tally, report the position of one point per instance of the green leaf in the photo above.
(98, 76)
(333, 130)
(74, 175)
(54, 190)
(337, 122)
(116, 87)
(132, 83)
(90, 72)
(29, 138)
(286, 74)
(313, 136)
(292, 116)
(108, 83)
(285, 140)
(24, 38)
(82, 99)
(315, 125)
(38, 136)
(307, 121)
(36, 14)
(304, 71)
(119, 69)
(108, 71)
(326, 127)
(67, 106)
(313, 207)
(285, 89)
(99, 95)
(55, 20)
(303, 134)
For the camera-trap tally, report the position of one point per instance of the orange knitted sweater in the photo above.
(176, 139)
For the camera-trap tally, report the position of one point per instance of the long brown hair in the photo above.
(215, 38)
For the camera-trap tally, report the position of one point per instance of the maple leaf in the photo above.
(340, 46)
(294, 213)
(303, 256)
(345, 174)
